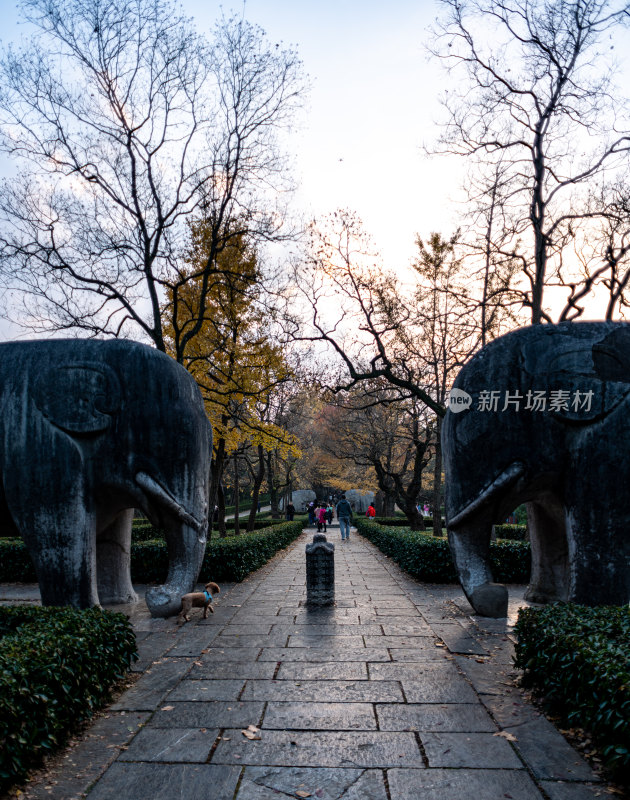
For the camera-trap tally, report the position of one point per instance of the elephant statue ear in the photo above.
(585, 381)
(78, 398)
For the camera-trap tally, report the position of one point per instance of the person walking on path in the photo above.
(371, 512)
(290, 511)
(344, 515)
(329, 513)
(321, 518)
(311, 513)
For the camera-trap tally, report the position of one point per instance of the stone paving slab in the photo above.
(461, 784)
(323, 654)
(329, 716)
(547, 752)
(262, 783)
(557, 790)
(325, 749)
(433, 717)
(166, 781)
(214, 689)
(156, 682)
(394, 694)
(327, 671)
(227, 669)
(473, 750)
(186, 745)
(210, 714)
(318, 691)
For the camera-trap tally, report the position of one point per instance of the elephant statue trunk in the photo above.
(186, 546)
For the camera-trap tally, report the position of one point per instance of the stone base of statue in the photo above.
(320, 572)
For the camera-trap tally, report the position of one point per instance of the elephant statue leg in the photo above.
(113, 561)
(550, 553)
(65, 562)
(57, 529)
(599, 564)
(470, 546)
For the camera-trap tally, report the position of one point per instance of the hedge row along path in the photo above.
(395, 693)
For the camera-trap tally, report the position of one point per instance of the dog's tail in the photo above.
(214, 588)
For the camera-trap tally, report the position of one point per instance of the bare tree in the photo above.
(411, 337)
(124, 123)
(534, 89)
(356, 308)
(393, 440)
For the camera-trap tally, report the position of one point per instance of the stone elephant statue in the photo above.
(91, 430)
(541, 415)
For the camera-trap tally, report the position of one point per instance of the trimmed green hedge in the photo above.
(579, 659)
(15, 562)
(396, 522)
(429, 559)
(57, 666)
(229, 559)
(145, 532)
(516, 532)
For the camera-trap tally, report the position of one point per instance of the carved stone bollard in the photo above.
(320, 572)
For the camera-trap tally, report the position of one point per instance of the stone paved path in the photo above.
(396, 692)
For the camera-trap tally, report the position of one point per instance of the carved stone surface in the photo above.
(301, 498)
(359, 500)
(89, 430)
(320, 572)
(542, 416)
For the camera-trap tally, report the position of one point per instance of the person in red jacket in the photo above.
(371, 512)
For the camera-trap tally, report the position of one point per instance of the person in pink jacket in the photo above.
(321, 518)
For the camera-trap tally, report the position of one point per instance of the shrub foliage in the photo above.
(229, 559)
(579, 659)
(429, 559)
(57, 666)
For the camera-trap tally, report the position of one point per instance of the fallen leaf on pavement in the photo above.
(168, 708)
(505, 735)
(303, 794)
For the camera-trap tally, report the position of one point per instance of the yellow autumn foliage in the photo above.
(232, 357)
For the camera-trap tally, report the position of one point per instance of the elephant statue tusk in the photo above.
(160, 494)
(508, 476)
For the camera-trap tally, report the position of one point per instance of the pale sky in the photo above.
(373, 104)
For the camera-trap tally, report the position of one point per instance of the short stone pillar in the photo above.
(320, 572)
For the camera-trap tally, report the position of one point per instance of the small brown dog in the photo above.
(198, 600)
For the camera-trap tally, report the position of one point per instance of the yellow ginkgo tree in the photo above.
(233, 357)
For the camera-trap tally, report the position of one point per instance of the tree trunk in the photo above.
(437, 480)
(237, 504)
(416, 520)
(273, 489)
(217, 474)
(260, 476)
(389, 506)
(221, 504)
(379, 503)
